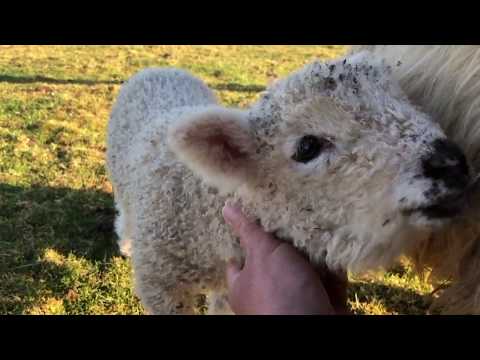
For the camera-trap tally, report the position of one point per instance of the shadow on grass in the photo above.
(394, 299)
(24, 287)
(238, 87)
(76, 221)
(35, 219)
(17, 79)
(25, 79)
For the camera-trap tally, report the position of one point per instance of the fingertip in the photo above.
(249, 231)
(230, 213)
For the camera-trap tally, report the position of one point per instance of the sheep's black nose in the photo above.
(447, 163)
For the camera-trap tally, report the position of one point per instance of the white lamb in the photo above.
(333, 158)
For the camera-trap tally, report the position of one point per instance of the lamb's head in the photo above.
(335, 158)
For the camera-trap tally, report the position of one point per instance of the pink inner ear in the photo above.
(229, 151)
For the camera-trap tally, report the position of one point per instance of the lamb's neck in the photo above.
(276, 217)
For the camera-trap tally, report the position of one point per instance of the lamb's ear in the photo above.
(216, 144)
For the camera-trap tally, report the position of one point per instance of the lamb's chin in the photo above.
(438, 214)
(422, 222)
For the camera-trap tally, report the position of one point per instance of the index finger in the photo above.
(251, 235)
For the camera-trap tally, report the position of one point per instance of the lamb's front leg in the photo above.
(170, 284)
(164, 289)
(179, 252)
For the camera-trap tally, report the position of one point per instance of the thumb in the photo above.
(233, 271)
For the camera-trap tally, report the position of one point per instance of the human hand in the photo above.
(276, 279)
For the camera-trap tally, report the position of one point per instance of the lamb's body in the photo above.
(192, 245)
(350, 207)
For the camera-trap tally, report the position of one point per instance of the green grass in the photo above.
(57, 248)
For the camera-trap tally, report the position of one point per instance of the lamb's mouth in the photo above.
(449, 206)
(446, 207)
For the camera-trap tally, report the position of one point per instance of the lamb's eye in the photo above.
(309, 147)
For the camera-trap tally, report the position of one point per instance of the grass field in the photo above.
(57, 248)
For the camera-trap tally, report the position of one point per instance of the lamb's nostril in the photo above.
(447, 163)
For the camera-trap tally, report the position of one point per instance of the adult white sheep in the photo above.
(445, 82)
(332, 158)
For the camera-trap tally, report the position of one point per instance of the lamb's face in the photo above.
(346, 155)
(335, 158)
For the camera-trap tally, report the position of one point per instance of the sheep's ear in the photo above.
(216, 144)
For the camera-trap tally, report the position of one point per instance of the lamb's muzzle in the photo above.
(448, 166)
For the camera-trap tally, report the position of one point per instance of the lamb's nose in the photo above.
(447, 163)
